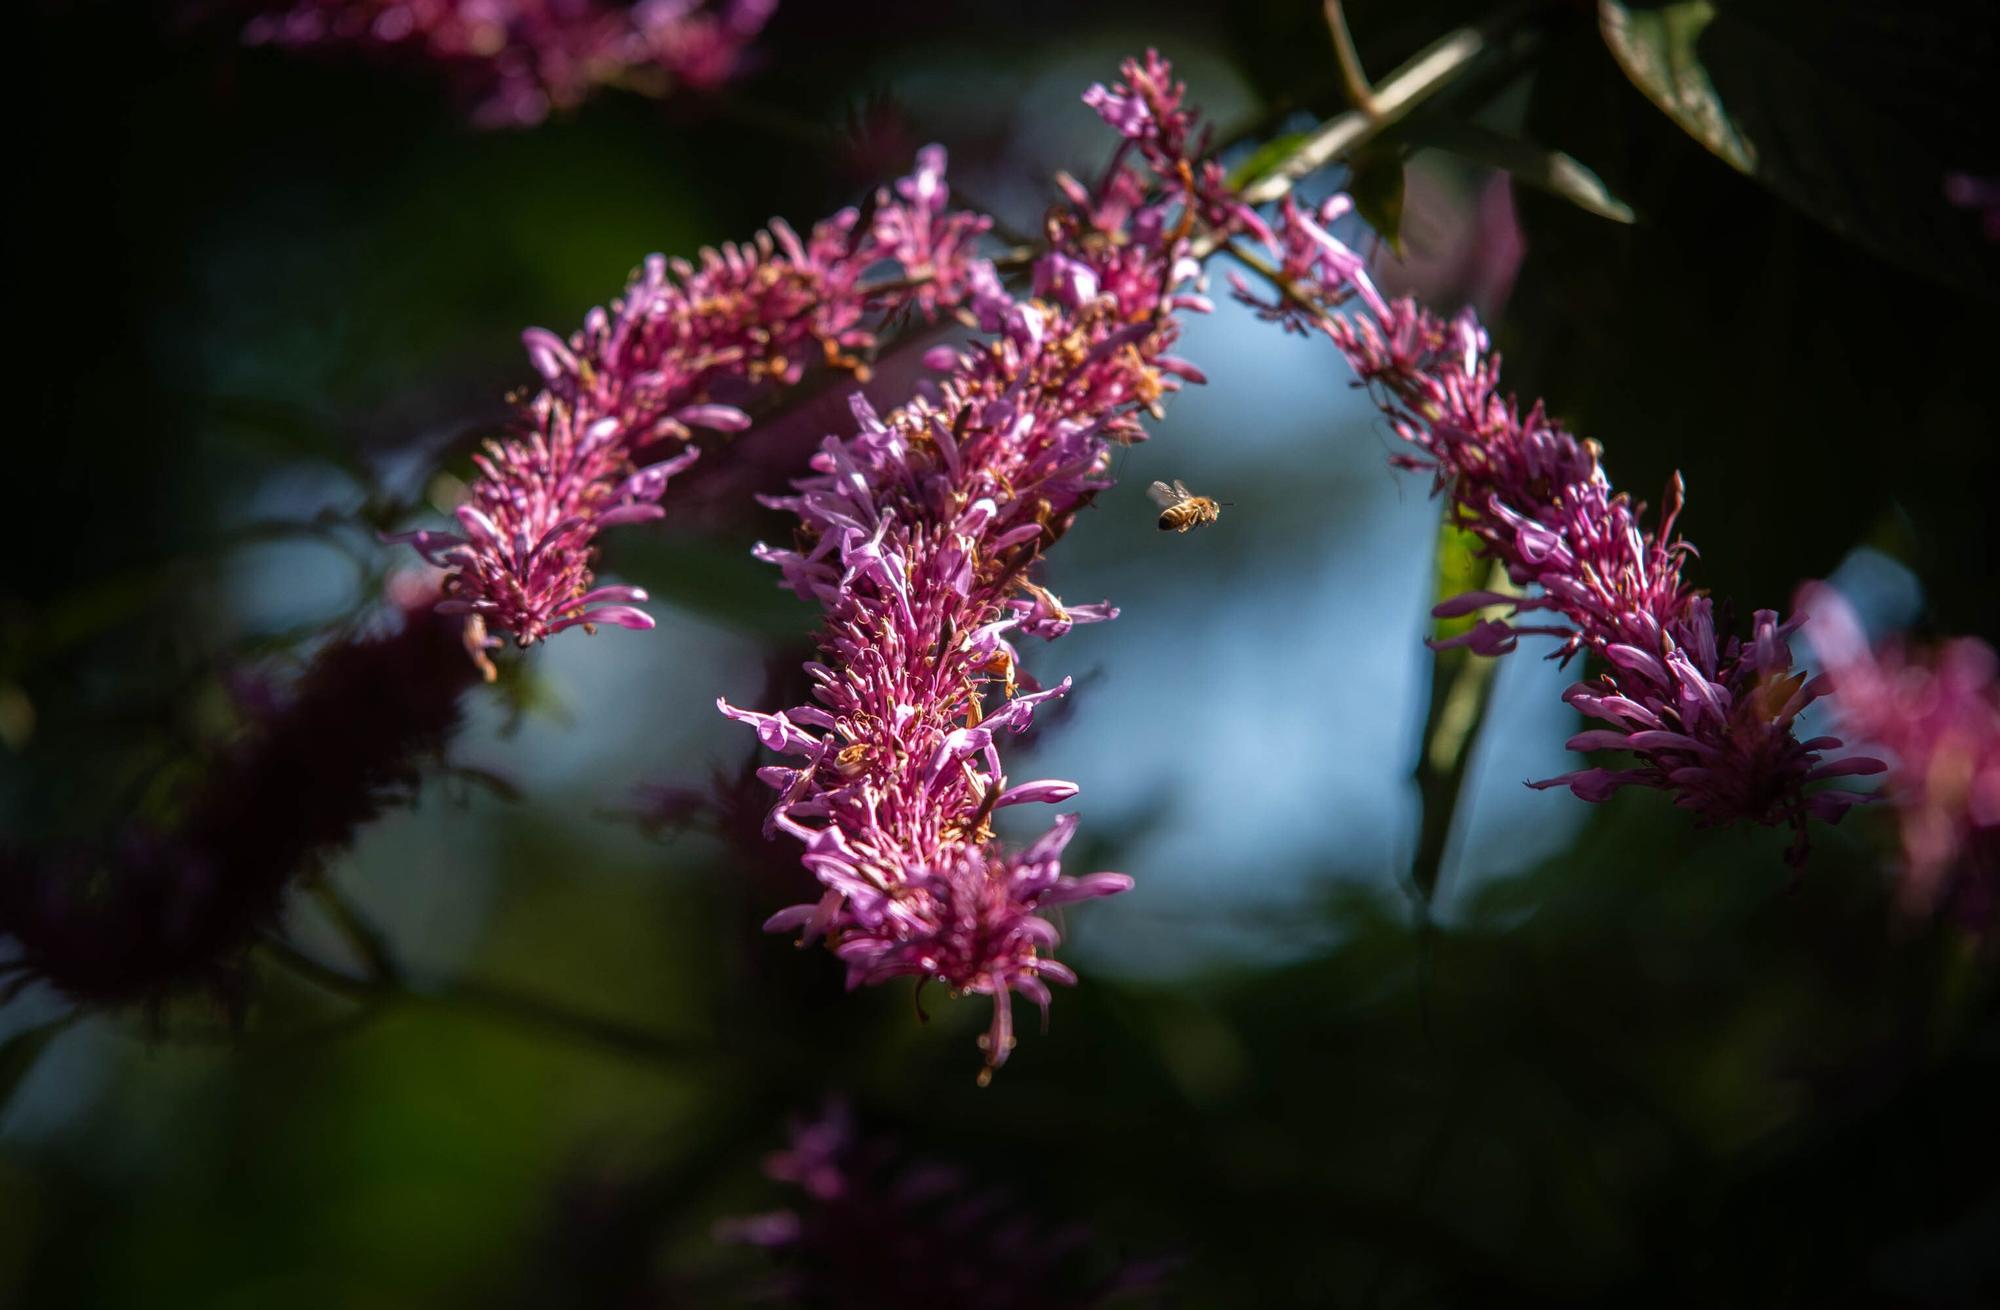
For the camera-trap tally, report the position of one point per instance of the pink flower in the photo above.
(1937, 715)
(1148, 108)
(1707, 717)
(871, 1226)
(152, 910)
(622, 396)
(919, 537)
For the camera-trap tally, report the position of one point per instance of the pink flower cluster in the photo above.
(1937, 716)
(516, 60)
(918, 536)
(1707, 718)
(620, 396)
(1149, 109)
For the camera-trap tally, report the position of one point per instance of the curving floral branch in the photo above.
(918, 537)
(622, 395)
(1708, 717)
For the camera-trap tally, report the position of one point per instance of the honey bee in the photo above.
(1181, 509)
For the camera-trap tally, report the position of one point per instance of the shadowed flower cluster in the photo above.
(1937, 716)
(516, 60)
(611, 424)
(918, 536)
(873, 1229)
(157, 909)
(1709, 718)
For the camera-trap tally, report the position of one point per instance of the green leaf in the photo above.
(1266, 157)
(1837, 109)
(19, 1053)
(1553, 171)
(1656, 48)
(1375, 180)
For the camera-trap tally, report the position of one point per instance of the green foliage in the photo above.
(1655, 45)
(1459, 570)
(1804, 387)
(1804, 97)
(1265, 158)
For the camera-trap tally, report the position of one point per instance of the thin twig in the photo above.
(1272, 274)
(362, 937)
(1431, 71)
(495, 1001)
(1352, 79)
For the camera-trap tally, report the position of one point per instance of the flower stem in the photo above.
(1460, 686)
(1352, 79)
(1460, 689)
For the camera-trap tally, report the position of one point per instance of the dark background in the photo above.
(259, 296)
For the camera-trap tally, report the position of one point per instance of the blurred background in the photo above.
(267, 296)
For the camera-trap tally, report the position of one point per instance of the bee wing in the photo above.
(1166, 496)
(1180, 490)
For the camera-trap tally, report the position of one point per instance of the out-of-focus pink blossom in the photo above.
(157, 908)
(1458, 249)
(1981, 195)
(1937, 716)
(872, 1227)
(516, 60)
(1708, 718)
(919, 538)
(622, 395)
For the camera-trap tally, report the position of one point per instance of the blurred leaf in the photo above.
(1793, 95)
(19, 1053)
(1265, 158)
(1375, 180)
(1552, 171)
(1459, 570)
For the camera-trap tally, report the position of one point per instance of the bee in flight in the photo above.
(1181, 509)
